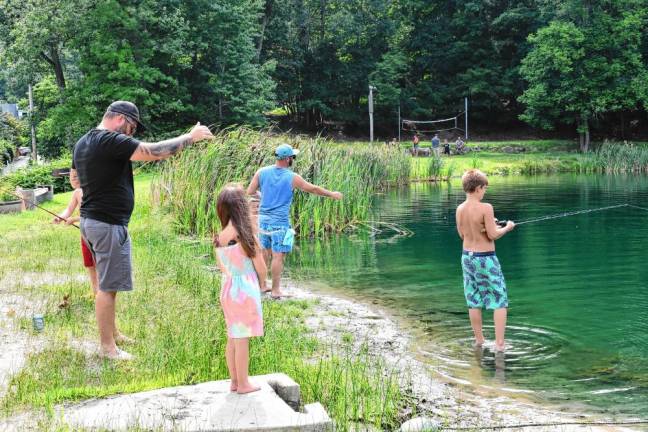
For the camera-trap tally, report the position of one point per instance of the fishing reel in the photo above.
(500, 223)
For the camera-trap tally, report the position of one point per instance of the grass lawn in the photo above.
(540, 156)
(499, 163)
(174, 314)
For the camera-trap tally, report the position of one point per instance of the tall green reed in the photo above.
(615, 158)
(435, 163)
(190, 183)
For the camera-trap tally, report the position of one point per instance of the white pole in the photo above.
(371, 135)
(466, 115)
(31, 120)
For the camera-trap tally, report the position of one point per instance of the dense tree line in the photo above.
(581, 63)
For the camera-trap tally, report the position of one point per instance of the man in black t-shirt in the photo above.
(102, 162)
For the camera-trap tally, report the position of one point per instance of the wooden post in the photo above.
(371, 127)
(466, 115)
(399, 123)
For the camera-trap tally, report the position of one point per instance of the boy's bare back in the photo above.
(473, 228)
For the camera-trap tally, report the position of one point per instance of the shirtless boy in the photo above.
(484, 284)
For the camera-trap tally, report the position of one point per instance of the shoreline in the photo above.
(451, 401)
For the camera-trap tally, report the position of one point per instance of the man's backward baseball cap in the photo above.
(285, 151)
(129, 110)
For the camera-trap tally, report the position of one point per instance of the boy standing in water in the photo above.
(484, 284)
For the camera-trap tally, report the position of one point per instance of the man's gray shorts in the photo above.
(111, 247)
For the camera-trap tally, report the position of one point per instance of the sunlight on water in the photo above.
(578, 285)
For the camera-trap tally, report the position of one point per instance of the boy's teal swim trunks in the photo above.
(484, 284)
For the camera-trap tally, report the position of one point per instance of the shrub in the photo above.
(35, 175)
(7, 152)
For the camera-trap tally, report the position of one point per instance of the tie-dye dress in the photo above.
(240, 294)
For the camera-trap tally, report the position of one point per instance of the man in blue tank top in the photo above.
(276, 183)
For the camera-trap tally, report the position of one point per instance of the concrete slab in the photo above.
(203, 407)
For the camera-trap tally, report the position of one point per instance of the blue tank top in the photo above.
(276, 185)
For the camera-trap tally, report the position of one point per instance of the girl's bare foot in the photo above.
(247, 388)
(233, 386)
(477, 343)
(500, 347)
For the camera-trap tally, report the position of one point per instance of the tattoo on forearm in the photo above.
(168, 147)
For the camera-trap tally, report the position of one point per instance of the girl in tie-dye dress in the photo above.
(243, 277)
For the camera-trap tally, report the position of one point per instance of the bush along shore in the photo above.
(189, 183)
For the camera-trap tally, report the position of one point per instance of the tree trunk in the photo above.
(322, 19)
(264, 24)
(55, 61)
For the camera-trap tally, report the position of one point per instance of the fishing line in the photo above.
(36, 205)
(526, 425)
(562, 215)
(637, 207)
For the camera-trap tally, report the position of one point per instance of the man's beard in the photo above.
(122, 129)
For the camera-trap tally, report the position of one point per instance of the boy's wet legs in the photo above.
(499, 316)
(476, 323)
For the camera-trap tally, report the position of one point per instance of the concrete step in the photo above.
(203, 407)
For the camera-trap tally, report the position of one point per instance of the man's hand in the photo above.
(337, 195)
(200, 132)
(510, 225)
(57, 220)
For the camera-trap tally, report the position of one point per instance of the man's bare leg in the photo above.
(108, 334)
(499, 316)
(94, 281)
(277, 269)
(476, 323)
(105, 312)
(267, 255)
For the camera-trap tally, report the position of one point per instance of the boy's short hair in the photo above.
(472, 179)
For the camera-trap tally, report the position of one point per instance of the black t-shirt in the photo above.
(102, 160)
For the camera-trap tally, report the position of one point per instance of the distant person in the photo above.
(244, 277)
(435, 145)
(460, 146)
(102, 161)
(484, 285)
(446, 147)
(277, 183)
(415, 142)
(66, 216)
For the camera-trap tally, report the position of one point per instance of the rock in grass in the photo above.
(420, 424)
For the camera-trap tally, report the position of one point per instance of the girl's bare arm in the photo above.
(261, 269)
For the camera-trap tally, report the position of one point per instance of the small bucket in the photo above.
(39, 322)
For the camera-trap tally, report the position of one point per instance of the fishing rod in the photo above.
(561, 215)
(36, 205)
(572, 213)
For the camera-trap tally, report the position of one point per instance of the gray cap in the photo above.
(129, 110)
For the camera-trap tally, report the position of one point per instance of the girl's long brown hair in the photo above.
(232, 206)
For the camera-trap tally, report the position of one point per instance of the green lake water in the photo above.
(578, 286)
